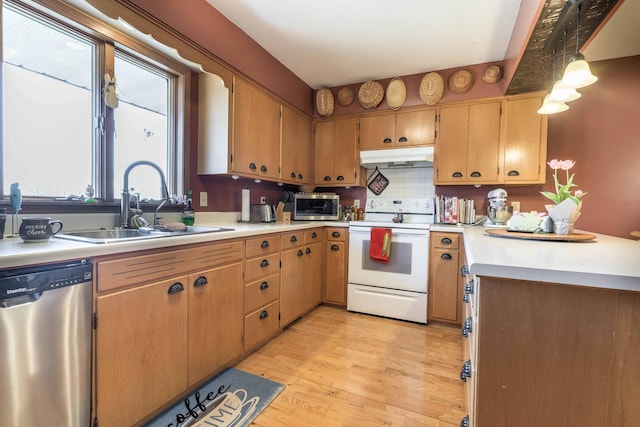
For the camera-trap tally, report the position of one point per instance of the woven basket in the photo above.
(346, 96)
(370, 94)
(396, 93)
(460, 81)
(431, 88)
(492, 74)
(324, 102)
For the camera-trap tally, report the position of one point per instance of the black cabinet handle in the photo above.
(340, 178)
(466, 327)
(264, 244)
(387, 141)
(263, 168)
(264, 285)
(264, 314)
(464, 270)
(300, 176)
(200, 281)
(336, 234)
(314, 235)
(513, 173)
(446, 241)
(293, 174)
(465, 421)
(403, 139)
(476, 174)
(175, 288)
(335, 248)
(466, 371)
(327, 178)
(252, 166)
(308, 251)
(457, 174)
(264, 263)
(465, 298)
(300, 253)
(468, 288)
(293, 239)
(445, 256)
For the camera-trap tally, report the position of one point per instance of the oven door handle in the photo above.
(394, 231)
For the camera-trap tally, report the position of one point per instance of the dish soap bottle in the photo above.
(188, 214)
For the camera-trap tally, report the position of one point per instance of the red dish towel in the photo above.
(380, 245)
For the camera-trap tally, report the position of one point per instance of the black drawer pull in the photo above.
(252, 166)
(466, 371)
(314, 235)
(327, 178)
(175, 288)
(403, 139)
(300, 176)
(200, 281)
(335, 234)
(476, 174)
(264, 285)
(513, 173)
(464, 270)
(340, 178)
(263, 168)
(293, 239)
(264, 263)
(264, 314)
(264, 244)
(293, 174)
(445, 256)
(465, 421)
(446, 241)
(308, 251)
(457, 174)
(335, 248)
(386, 141)
(300, 253)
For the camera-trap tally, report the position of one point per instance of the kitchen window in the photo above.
(58, 134)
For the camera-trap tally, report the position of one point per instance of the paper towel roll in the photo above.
(246, 205)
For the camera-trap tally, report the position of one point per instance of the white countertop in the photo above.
(14, 252)
(606, 262)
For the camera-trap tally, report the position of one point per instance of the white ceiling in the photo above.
(620, 37)
(336, 42)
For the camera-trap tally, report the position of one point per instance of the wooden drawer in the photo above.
(337, 233)
(291, 240)
(216, 254)
(446, 240)
(137, 270)
(264, 245)
(262, 266)
(261, 292)
(261, 324)
(312, 236)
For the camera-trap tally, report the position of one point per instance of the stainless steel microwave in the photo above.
(316, 207)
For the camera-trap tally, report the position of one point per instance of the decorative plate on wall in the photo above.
(370, 94)
(396, 93)
(460, 81)
(431, 88)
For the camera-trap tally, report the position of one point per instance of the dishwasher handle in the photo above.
(20, 300)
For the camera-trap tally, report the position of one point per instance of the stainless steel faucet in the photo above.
(125, 200)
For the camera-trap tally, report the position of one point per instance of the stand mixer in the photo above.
(498, 211)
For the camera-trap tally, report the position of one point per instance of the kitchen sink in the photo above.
(111, 235)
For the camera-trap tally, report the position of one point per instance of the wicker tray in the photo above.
(575, 237)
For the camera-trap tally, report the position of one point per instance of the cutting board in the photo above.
(575, 237)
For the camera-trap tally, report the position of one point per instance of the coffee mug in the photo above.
(38, 229)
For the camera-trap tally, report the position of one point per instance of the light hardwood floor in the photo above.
(348, 369)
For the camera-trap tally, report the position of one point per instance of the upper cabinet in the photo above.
(336, 160)
(398, 130)
(467, 150)
(297, 148)
(525, 150)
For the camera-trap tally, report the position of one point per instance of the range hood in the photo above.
(415, 157)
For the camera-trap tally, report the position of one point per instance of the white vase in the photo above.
(564, 216)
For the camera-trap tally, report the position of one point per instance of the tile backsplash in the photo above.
(406, 183)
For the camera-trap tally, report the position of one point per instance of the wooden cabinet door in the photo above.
(323, 148)
(483, 143)
(415, 128)
(451, 146)
(141, 350)
(525, 142)
(377, 132)
(216, 319)
(256, 132)
(336, 280)
(313, 276)
(296, 147)
(443, 301)
(291, 285)
(345, 154)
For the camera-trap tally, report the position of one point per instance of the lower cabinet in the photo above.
(446, 284)
(336, 258)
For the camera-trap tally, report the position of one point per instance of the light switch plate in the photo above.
(204, 198)
(356, 203)
(516, 206)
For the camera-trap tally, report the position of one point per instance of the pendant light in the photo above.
(578, 74)
(561, 92)
(551, 105)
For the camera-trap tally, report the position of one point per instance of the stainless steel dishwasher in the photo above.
(45, 345)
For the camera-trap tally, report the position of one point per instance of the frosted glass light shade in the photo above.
(563, 93)
(578, 74)
(552, 107)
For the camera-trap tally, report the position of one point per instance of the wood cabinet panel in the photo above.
(296, 147)
(262, 266)
(261, 324)
(261, 292)
(313, 276)
(336, 160)
(291, 291)
(397, 130)
(263, 245)
(336, 272)
(377, 132)
(446, 285)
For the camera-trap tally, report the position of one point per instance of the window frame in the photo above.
(109, 40)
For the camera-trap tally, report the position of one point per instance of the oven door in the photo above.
(408, 261)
